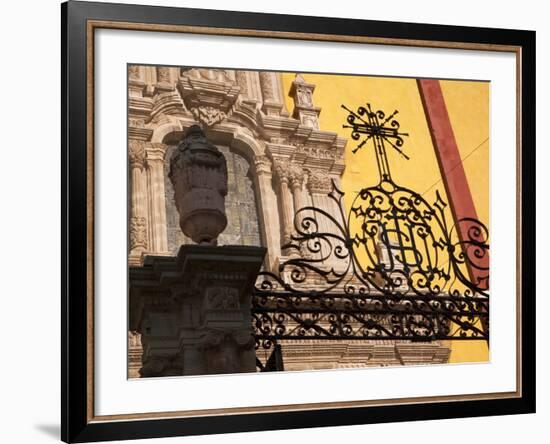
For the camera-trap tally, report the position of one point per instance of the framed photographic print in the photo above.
(278, 221)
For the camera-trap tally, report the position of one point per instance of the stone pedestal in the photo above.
(193, 310)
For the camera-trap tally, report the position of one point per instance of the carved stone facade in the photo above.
(277, 162)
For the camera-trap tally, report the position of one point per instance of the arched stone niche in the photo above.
(240, 203)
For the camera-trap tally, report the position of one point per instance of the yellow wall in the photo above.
(468, 107)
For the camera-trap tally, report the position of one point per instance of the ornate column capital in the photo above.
(281, 168)
(319, 182)
(136, 154)
(155, 151)
(262, 165)
(296, 176)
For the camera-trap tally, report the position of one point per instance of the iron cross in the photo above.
(366, 121)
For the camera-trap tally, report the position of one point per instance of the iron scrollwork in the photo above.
(392, 267)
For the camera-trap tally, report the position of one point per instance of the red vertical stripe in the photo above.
(450, 164)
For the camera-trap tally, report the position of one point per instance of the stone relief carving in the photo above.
(319, 182)
(212, 74)
(317, 152)
(279, 140)
(136, 153)
(208, 115)
(296, 175)
(304, 97)
(133, 72)
(138, 232)
(242, 81)
(209, 94)
(137, 123)
(304, 109)
(310, 121)
(222, 298)
(163, 74)
(162, 366)
(212, 338)
(281, 169)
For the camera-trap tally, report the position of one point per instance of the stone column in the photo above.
(297, 177)
(242, 81)
(300, 196)
(285, 200)
(320, 184)
(268, 87)
(155, 176)
(272, 104)
(254, 86)
(138, 216)
(267, 205)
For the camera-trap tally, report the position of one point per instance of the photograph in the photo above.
(300, 221)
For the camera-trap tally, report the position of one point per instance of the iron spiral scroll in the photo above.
(393, 267)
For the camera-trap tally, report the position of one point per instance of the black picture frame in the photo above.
(77, 424)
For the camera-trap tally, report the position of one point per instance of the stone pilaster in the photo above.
(157, 209)
(267, 209)
(139, 241)
(242, 81)
(297, 177)
(272, 99)
(319, 184)
(282, 170)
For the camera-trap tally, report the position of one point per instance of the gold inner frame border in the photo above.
(92, 25)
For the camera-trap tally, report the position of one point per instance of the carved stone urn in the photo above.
(198, 172)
